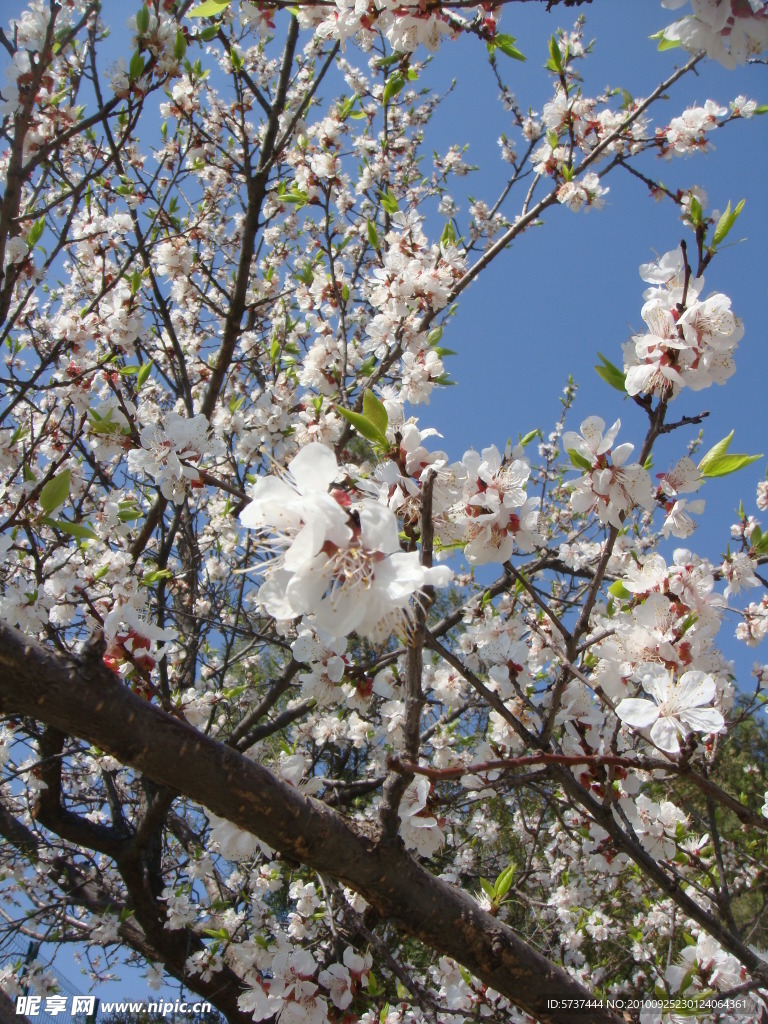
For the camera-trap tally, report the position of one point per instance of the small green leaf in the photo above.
(527, 438)
(154, 576)
(610, 373)
(136, 66)
(129, 514)
(56, 491)
(373, 236)
(348, 106)
(664, 43)
(389, 202)
(395, 83)
(579, 461)
(697, 214)
(374, 410)
(504, 881)
(554, 54)
(209, 8)
(618, 590)
(363, 426)
(487, 888)
(179, 45)
(718, 449)
(35, 232)
(725, 464)
(142, 20)
(507, 46)
(80, 531)
(726, 222)
(718, 463)
(144, 372)
(448, 236)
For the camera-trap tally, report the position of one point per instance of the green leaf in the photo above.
(363, 426)
(179, 45)
(611, 374)
(526, 440)
(487, 888)
(373, 236)
(448, 236)
(696, 211)
(129, 514)
(507, 46)
(144, 372)
(389, 202)
(395, 83)
(374, 410)
(718, 463)
(579, 461)
(142, 20)
(726, 222)
(718, 449)
(504, 881)
(35, 232)
(348, 106)
(136, 66)
(80, 531)
(56, 491)
(664, 43)
(154, 576)
(725, 464)
(554, 54)
(209, 9)
(617, 589)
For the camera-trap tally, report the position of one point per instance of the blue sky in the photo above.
(565, 291)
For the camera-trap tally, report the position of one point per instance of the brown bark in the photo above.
(85, 700)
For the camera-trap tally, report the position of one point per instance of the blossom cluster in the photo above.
(342, 563)
(690, 340)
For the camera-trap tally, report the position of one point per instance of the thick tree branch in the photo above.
(87, 701)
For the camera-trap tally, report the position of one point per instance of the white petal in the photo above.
(636, 712)
(665, 735)
(695, 688)
(704, 720)
(378, 527)
(314, 468)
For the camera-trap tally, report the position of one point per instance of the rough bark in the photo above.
(85, 700)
